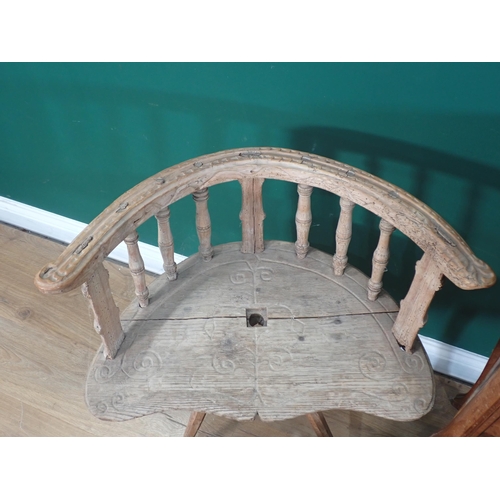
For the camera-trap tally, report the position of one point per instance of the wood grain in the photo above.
(192, 349)
(420, 223)
(252, 216)
(414, 307)
(343, 236)
(47, 345)
(166, 243)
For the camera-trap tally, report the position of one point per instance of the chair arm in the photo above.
(412, 217)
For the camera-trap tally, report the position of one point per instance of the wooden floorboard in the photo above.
(48, 343)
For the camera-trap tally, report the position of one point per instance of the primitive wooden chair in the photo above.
(269, 328)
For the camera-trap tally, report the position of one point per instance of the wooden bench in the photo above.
(272, 328)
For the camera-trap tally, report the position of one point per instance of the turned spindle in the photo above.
(136, 265)
(343, 236)
(303, 220)
(203, 226)
(166, 243)
(380, 260)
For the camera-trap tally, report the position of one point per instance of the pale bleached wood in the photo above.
(319, 424)
(106, 314)
(244, 286)
(412, 217)
(45, 354)
(252, 216)
(380, 260)
(194, 423)
(450, 256)
(303, 220)
(204, 357)
(413, 308)
(166, 243)
(137, 270)
(203, 225)
(343, 236)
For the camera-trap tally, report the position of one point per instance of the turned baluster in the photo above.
(413, 309)
(380, 260)
(136, 265)
(252, 216)
(303, 219)
(166, 243)
(343, 236)
(106, 313)
(203, 226)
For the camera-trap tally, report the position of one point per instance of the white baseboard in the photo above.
(65, 230)
(446, 359)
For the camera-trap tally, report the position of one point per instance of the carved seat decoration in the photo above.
(272, 328)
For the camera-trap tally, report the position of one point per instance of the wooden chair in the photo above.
(271, 328)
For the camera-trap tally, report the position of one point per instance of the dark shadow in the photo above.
(379, 153)
(94, 141)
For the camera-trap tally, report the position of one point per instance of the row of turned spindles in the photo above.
(252, 216)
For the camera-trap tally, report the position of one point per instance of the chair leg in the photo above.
(194, 423)
(318, 422)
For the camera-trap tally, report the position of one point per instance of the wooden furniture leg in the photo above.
(461, 399)
(318, 422)
(480, 415)
(194, 423)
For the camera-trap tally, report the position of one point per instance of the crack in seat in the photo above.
(324, 344)
(274, 329)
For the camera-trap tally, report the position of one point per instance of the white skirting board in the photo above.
(446, 359)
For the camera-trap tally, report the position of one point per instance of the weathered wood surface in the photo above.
(106, 313)
(166, 243)
(343, 236)
(303, 220)
(252, 216)
(47, 346)
(414, 307)
(325, 345)
(203, 224)
(136, 265)
(412, 217)
(380, 260)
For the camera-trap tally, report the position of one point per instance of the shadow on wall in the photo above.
(90, 143)
(416, 169)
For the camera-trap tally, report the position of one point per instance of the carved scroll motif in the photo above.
(343, 236)
(252, 216)
(303, 220)
(380, 260)
(203, 226)
(166, 243)
(136, 265)
(413, 311)
(106, 313)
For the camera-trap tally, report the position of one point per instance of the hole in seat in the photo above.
(256, 317)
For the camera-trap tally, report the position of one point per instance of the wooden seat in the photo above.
(275, 329)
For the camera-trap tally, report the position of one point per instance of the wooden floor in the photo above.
(47, 344)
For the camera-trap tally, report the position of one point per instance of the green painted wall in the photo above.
(73, 137)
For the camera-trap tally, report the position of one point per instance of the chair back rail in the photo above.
(445, 252)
